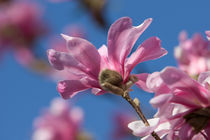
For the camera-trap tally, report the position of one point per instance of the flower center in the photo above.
(198, 119)
(112, 81)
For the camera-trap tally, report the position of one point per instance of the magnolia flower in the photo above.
(208, 35)
(193, 55)
(20, 29)
(185, 108)
(59, 122)
(108, 68)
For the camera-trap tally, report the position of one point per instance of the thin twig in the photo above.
(127, 97)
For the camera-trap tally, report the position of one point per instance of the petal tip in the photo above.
(66, 37)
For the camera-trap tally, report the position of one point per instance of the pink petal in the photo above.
(69, 88)
(98, 91)
(139, 129)
(85, 53)
(160, 100)
(60, 60)
(184, 87)
(104, 57)
(207, 130)
(155, 83)
(183, 36)
(204, 78)
(121, 38)
(141, 83)
(186, 132)
(148, 50)
(208, 35)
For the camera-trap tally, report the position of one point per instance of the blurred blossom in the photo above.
(193, 55)
(121, 130)
(27, 58)
(59, 122)
(208, 35)
(183, 112)
(20, 26)
(84, 62)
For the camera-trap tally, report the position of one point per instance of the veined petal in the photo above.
(85, 53)
(186, 132)
(104, 57)
(69, 88)
(121, 38)
(148, 50)
(139, 129)
(155, 83)
(160, 100)
(60, 60)
(183, 86)
(204, 78)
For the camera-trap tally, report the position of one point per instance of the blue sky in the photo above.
(24, 93)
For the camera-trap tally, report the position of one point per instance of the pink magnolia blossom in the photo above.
(59, 122)
(84, 62)
(20, 29)
(193, 55)
(184, 107)
(208, 35)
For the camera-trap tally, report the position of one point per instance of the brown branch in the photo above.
(127, 97)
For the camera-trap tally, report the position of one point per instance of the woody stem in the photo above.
(127, 97)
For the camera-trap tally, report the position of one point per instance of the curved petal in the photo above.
(121, 38)
(208, 35)
(155, 83)
(160, 100)
(184, 87)
(139, 129)
(148, 50)
(204, 79)
(85, 53)
(141, 83)
(60, 60)
(97, 91)
(104, 57)
(186, 132)
(69, 88)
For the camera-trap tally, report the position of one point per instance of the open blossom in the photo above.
(193, 55)
(208, 35)
(185, 109)
(90, 68)
(59, 122)
(20, 29)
